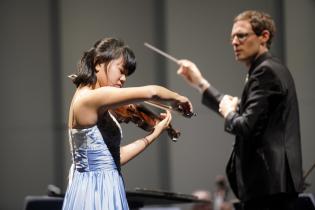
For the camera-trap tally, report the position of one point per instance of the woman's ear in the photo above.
(98, 67)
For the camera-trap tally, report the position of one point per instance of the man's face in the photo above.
(246, 44)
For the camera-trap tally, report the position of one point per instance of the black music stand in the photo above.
(136, 199)
(305, 201)
(144, 197)
(43, 203)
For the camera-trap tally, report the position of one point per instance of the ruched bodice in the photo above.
(89, 150)
(95, 182)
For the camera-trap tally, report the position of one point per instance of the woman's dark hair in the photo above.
(259, 21)
(103, 51)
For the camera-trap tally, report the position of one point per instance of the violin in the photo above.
(143, 117)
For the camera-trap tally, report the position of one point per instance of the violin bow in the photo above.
(160, 106)
(164, 107)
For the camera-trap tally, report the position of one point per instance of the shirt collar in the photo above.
(259, 60)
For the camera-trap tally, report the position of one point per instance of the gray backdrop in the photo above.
(42, 40)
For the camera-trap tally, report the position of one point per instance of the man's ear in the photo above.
(265, 36)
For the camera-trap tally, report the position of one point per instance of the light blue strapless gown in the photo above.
(94, 181)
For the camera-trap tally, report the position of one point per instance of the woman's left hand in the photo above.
(162, 125)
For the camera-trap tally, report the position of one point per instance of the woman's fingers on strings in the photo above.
(167, 117)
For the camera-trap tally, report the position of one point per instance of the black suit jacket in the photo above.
(266, 157)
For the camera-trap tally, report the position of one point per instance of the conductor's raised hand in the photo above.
(192, 75)
(189, 71)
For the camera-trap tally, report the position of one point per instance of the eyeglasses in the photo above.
(241, 37)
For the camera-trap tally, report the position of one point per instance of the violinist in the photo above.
(95, 178)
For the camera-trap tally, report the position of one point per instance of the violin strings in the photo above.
(161, 106)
